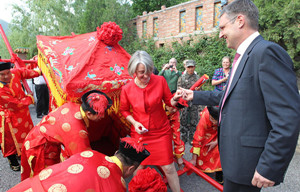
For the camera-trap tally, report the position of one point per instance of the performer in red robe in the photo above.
(89, 171)
(179, 146)
(66, 127)
(142, 105)
(14, 112)
(205, 149)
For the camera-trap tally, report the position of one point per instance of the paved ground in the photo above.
(191, 183)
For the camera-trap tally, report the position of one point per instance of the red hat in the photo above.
(147, 180)
(96, 102)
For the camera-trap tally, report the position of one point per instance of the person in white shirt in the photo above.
(42, 96)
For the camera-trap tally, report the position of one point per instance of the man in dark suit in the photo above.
(260, 107)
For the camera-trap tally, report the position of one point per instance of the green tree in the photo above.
(139, 6)
(61, 17)
(279, 22)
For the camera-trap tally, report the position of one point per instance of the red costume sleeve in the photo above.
(13, 102)
(26, 73)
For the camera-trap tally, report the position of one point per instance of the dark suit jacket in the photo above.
(261, 114)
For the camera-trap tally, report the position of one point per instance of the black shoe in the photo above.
(219, 177)
(13, 163)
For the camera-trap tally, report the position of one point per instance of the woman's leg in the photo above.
(172, 177)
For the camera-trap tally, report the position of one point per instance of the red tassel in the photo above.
(130, 142)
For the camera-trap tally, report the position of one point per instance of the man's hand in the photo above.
(166, 66)
(187, 94)
(260, 181)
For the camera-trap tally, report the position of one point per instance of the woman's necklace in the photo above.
(139, 84)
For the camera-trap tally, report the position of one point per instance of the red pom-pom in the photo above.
(110, 33)
(147, 180)
(98, 102)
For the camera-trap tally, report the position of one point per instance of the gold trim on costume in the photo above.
(10, 84)
(84, 117)
(196, 150)
(2, 129)
(32, 98)
(117, 161)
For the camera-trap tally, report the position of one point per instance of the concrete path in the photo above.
(191, 183)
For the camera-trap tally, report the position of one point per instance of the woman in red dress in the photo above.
(142, 105)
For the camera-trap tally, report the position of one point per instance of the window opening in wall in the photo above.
(217, 10)
(161, 45)
(144, 29)
(199, 18)
(155, 27)
(182, 24)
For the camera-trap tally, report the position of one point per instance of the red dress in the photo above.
(206, 132)
(15, 118)
(64, 127)
(88, 171)
(147, 108)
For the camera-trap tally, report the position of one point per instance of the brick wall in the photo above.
(168, 19)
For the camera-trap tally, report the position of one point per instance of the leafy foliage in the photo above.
(279, 22)
(139, 6)
(61, 17)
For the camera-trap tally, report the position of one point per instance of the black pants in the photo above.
(42, 95)
(230, 186)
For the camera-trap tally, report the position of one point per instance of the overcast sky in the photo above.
(5, 9)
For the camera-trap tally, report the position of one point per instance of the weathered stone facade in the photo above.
(178, 22)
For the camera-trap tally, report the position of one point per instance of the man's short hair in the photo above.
(244, 7)
(173, 59)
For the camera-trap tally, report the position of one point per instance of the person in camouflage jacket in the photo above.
(189, 116)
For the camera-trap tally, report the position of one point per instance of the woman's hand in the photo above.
(225, 79)
(139, 128)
